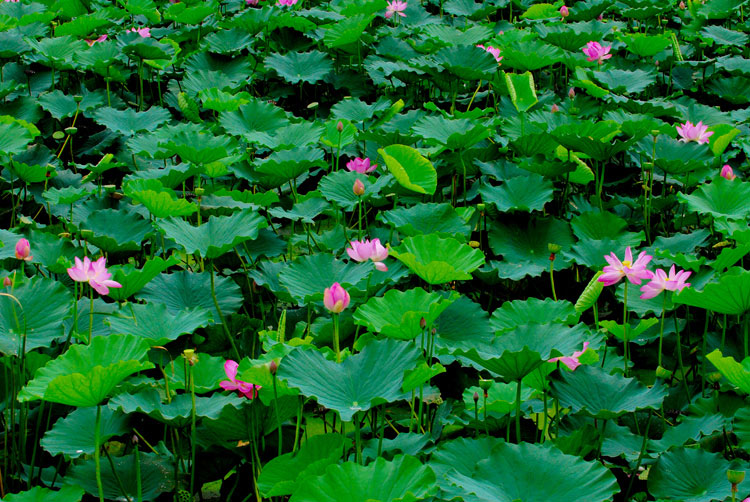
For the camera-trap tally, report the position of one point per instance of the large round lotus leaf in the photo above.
(625, 81)
(153, 322)
(530, 55)
(453, 134)
(338, 187)
(535, 473)
(676, 157)
(464, 324)
(115, 230)
(466, 62)
(594, 392)
(73, 436)
(305, 210)
(177, 412)
(162, 204)
(524, 250)
(156, 476)
(731, 295)
(361, 381)
(39, 494)
(36, 309)
(429, 218)
(216, 236)
(523, 193)
(187, 290)
(133, 279)
(404, 479)
(438, 260)
(294, 135)
(308, 276)
(283, 474)
(594, 139)
(533, 311)
(517, 353)
(690, 475)
(15, 135)
(128, 121)
(643, 45)
(194, 143)
(591, 252)
(86, 374)
(720, 198)
(413, 171)
(737, 373)
(297, 67)
(252, 119)
(460, 457)
(285, 165)
(598, 225)
(398, 314)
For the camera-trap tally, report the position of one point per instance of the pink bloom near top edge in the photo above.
(95, 273)
(144, 32)
(660, 281)
(246, 389)
(689, 132)
(634, 271)
(395, 7)
(597, 52)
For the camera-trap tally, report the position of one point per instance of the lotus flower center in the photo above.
(627, 264)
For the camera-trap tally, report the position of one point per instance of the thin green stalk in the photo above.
(299, 423)
(138, 487)
(336, 346)
(91, 314)
(193, 435)
(357, 440)
(518, 412)
(634, 474)
(625, 327)
(117, 476)
(661, 328)
(382, 418)
(221, 316)
(97, 459)
(552, 277)
(276, 409)
(679, 358)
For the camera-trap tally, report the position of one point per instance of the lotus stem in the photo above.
(97, 459)
(625, 327)
(336, 345)
(299, 423)
(193, 438)
(91, 314)
(552, 278)
(661, 328)
(679, 358)
(357, 440)
(221, 316)
(138, 487)
(640, 454)
(276, 409)
(518, 412)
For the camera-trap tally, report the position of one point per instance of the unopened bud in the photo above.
(682, 5)
(422, 323)
(7, 282)
(359, 188)
(272, 367)
(134, 439)
(572, 93)
(564, 12)
(340, 126)
(554, 108)
(475, 397)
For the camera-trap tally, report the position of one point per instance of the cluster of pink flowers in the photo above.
(95, 273)
(636, 271)
(597, 52)
(492, 50)
(286, 3)
(689, 132)
(361, 166)
(369, 250)
(246, 389)
(395, 7)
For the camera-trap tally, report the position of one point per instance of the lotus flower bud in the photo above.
(340, 126)
(572, 93)
(422, 323)
(335, 298)
(554, 108)
(23, 250)
(7, 282)
(475, 397)
(682, 5)
(564, 12)
(727, 172)
(272, 367)
(359, 188)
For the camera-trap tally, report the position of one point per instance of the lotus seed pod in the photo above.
(554, 248)
(714, 377)
(485, 384)
(735, 477)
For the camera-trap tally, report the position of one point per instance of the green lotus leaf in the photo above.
(347, 31)
(186, 290)
(643, 45)
(252, 119)
(152, 475)
(308, 276)
(591, 252)
(501, 399)
(285, 165)
(293, 135)
(459, 457)
(437, 260)
(115, 230)
(464, 324)
(194, 144)
(162, 204)
(533, 311)
(596, 393)
(675, 157)
(720, 198)
(305, 210)
(522, 90)
(598, 225)
(86, 374)
(733, 89)
(61, 105)
(39, 494)
(531, 144)
(297, 67)
(73, 435)
(430, 218)
(221, 101)
(731, 295)
(453, 134)
(67, 195)
(625, 81)
(283, 474)
(515, 354)
(49, 250)
(178, 410)
(35, 309)
(512, 472)
(152, 322)
(724, 36)
(522, 193)
(690, 475)
(404, 479)
(398, 314)
(338, 187)
(133, 279)
(56, 52)
(466, 62)
(413, 171)
(134, 45)
(194, 15)
(694, 428)
(371, 377)
(737, 373)
(15, 135)
(530, 55)
(128, 122)
(594, 139)
(218, 235)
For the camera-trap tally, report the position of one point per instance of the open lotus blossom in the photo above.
(360, 165)
(248, 3)
(395, 7)
(100, 39)
(727, 172)
(246, 389)
(286, 2)
(597, 52)
(335, 298)
(144, 32)
(362, 251)
(689, 132)
(95, 273)
(23, 250)
(492, 50)
(571, 361)
(660, 281)
(634, 271)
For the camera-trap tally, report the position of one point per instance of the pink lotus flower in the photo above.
(7, 282)
(564, 12)
(616, 270)
(358, 188)
(12, 1)
(360, 165)
(248, 3)
(144, 32)
(95, 273)
(100, 39)
(246, 389)
(335, 298)
(597, 52)
(286, 2)
(369, 250)
(23, 250)
(395, 7)
(727, 173)
(554, 108)
(663, 282)
(492, 50)
(689, 132)
(571, 361)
